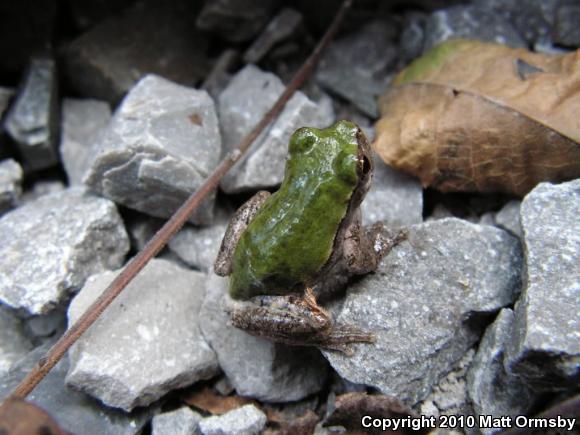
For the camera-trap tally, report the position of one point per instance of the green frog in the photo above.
(287, 251)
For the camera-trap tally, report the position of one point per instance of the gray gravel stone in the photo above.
(10, 184)
(147, 343)
(74, 411)
(198, 247)
(394, 198)
(492, 390)
(14, 344)
(412, 36)
(357, 66)
(41, 188)
(32, 121)
(235, 20)
(52, 244)
(83, 122)
(533, 19)
(567, 28)
(256, 367)
(182, 421)
(470, 22)
(241, 105)
(141, 229)
(449, 396)
(160, 146)
(246, 420)
(545, 344)
(283, 25)
(220, 74)
(508, 218)
(46, 325)
(426, 304)
(110, 58)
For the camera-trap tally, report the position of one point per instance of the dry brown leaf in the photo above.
(350, 408)
(208, 400)
(473, 116)
(19, 417)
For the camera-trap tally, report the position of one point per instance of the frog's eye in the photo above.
(345, 167)
(302, 140)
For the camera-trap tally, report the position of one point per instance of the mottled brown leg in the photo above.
(297, 321)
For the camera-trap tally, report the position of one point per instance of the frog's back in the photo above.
(292, 236)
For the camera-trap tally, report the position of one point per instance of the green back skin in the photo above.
(292, 236)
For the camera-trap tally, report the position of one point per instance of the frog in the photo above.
(287, 251)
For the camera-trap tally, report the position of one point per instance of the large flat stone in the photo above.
(545, 344)
(160, 146)
(249, 95)
(50, 245)
(257, 367)
(427, 304)
(147, 343)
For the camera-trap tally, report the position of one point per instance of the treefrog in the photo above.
(286, 250)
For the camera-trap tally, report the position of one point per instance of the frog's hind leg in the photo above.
(238, 223)
(297, 321)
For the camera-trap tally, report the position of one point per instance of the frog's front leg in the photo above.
(363, 249)
(296, 321)
(238, 223)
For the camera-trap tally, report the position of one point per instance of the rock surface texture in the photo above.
(74, 411)
(10, 184)
(235, 20)
(394, 198)
(241, 105)
(147, 343)
(51, 245)
(152, 36)
(160, 146)
(357, 66)
(427, 304)
(32, 121)
(492, 390)
(256, 367)
(198, 247)
(14, 344)
(246, 420)
(545, 344)
(473, 22)
(182, 421)
(83, 122)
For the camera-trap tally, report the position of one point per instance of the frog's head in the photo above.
(341, 148)
(340, 152)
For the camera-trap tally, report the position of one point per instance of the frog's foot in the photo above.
(297, 321)
(384, 240)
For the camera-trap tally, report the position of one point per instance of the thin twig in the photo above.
(174, 224)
